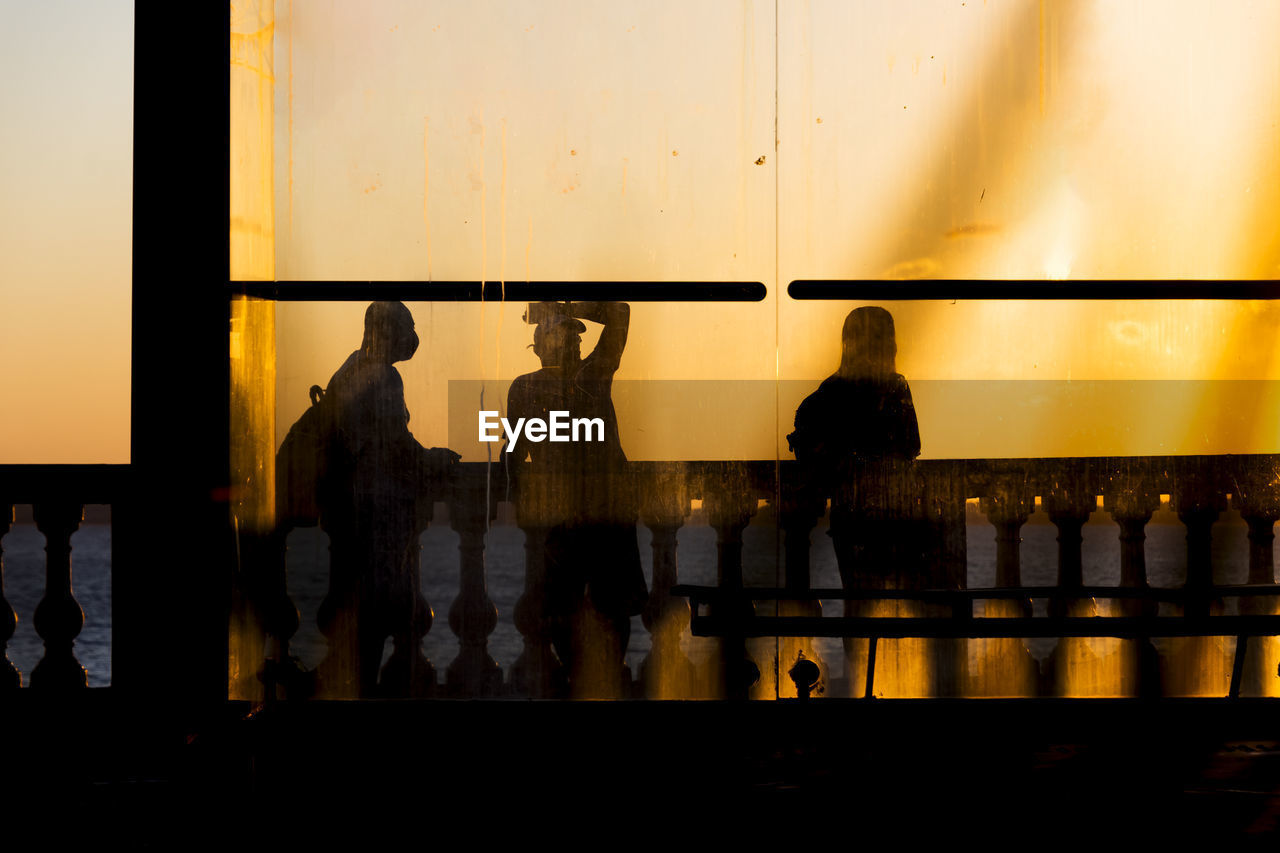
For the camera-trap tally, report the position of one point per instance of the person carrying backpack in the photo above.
(373, 486)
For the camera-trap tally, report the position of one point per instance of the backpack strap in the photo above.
(317, 394)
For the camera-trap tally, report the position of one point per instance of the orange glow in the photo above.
(908, 668)
(66, 166)
(846, 140)
(253, 323)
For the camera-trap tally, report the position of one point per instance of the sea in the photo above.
(307, 567)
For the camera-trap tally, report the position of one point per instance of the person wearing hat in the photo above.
(581, 493)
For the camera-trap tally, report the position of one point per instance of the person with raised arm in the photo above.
(580, 490)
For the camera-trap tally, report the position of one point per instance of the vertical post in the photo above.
(1008, 509)
(10, 678)
(1073, 669)
(58, 617)
(801, 507)
(1006, 667)
(1262, 538)
(1259, 501)
(409, 672)
(1198, 665)
(537, 672)
(1131, 505)
(729, 504)
(170, 626)
(1069, 508)
(1199, 519)
(1266, 658)
(667, 673)
(1132, 511)
(473, 615)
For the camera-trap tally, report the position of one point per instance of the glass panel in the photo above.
(680, 449)
(1088, 422)
(697, 142)
(1028, 140)
(1010, 378)
(544, 142)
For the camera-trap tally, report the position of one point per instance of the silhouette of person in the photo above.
(586, 493)
(375, 494)
(855, 439)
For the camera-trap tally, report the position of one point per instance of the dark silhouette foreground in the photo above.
(373, 485)
(855, 438)
(581, 494)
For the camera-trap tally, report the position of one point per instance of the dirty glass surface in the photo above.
(706, 142)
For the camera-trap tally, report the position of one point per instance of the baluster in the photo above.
(1007, 667)
(1132, 509)
(1260, 507)
(1262, 549)
(667, 673)
(537, 672)
(1198, 511)
(1073, 669)
(730, 504)
(1259, 501)
(1198, 665)
(58, 617)
(1199, 522)
(10, 678)
(1008, 510)
(473, 615)
(1131, 506)
(408, 672)
(1069, 508)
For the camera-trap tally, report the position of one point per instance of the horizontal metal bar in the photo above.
(91, 484)
(890, 291)
(1125, 627)
(493, 291)
(715, 594)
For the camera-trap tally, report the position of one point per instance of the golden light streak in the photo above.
(252, 351)
(252, 254)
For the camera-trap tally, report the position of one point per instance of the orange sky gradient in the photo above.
(66, 137)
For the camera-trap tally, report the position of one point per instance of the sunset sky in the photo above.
(505, 141)
(66, 136)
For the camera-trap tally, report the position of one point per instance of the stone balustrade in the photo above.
(734, 495)
(57, 495)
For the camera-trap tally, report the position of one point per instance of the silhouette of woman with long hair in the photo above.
(855, 440)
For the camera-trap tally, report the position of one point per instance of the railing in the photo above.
(1198, 489)
(58, 495)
